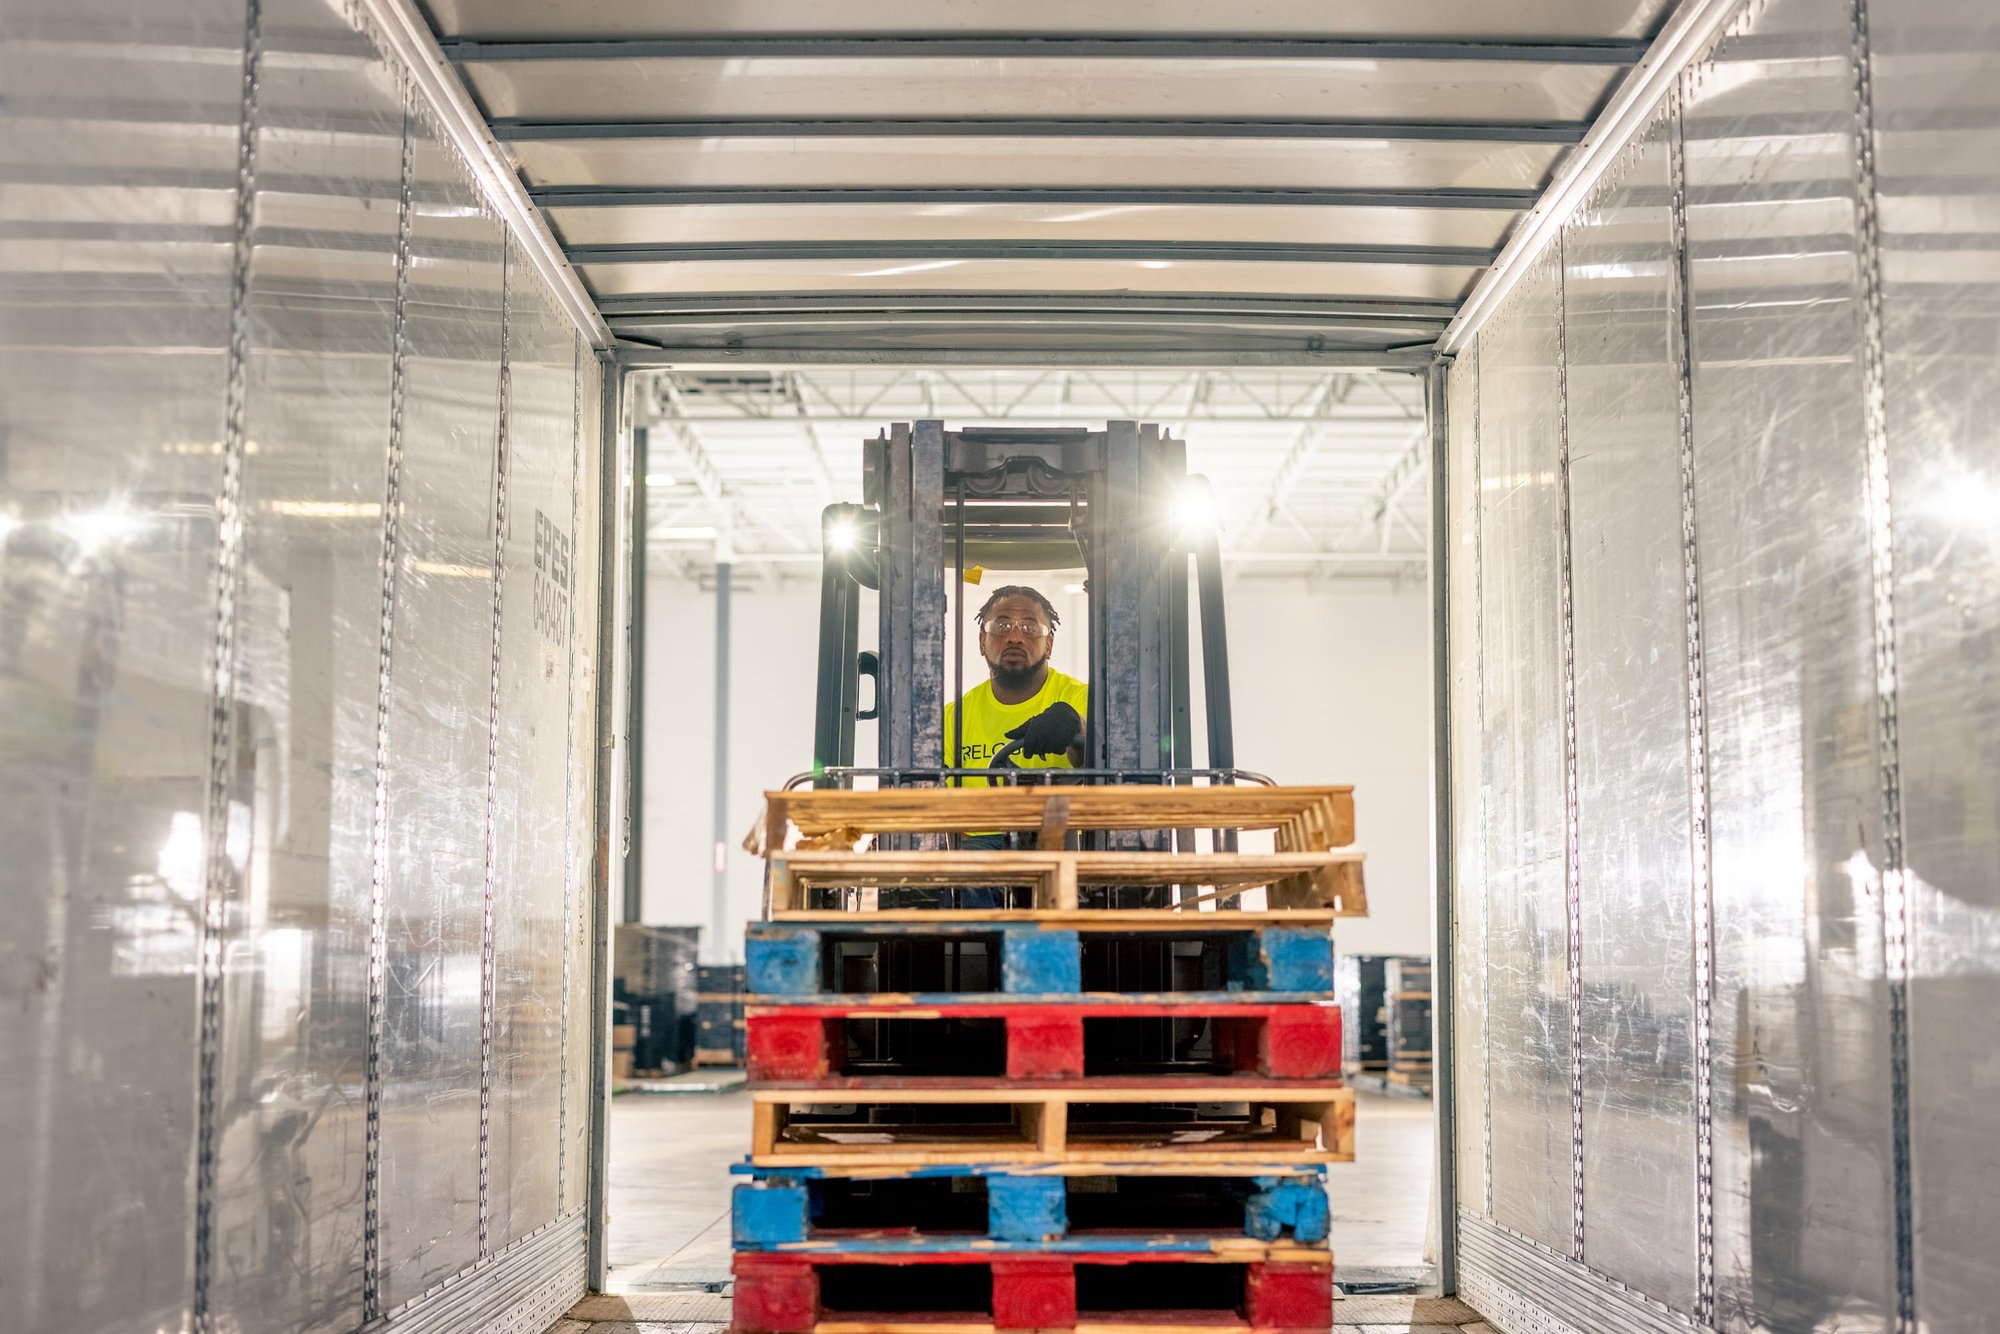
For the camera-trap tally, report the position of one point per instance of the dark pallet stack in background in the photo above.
(719, 1014)
(1407, 1022)
(1388, 1000)
(653, 992)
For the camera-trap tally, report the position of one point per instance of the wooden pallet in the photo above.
(941, 1209)
(1294, 1040)
(1305, 819)
(1290, 1123)
(979, 1292)
(1322, 883)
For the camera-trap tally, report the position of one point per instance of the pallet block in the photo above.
(1047, 1041)
(1315, 880)
(786, 959)
(785, 1294)
(1287, 1124)
(782, 1211)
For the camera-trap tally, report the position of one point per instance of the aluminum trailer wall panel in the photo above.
(1763, 435)
(298, 665)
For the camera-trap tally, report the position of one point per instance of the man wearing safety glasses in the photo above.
(1025, 709)
(1026, 714)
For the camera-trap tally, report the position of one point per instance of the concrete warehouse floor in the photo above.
(670, 1158)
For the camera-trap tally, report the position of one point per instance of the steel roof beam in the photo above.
(736, 517)
(1410, 359)
(1293, 466)
(1144, 251)
(739, 305)
(1411, 465)
(1029, 127)
(815, 447)
(1611, 51)
(593, 196)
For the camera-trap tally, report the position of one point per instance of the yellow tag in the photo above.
(974, 573)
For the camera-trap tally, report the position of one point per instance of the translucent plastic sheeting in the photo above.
(580, 783)
(1802, 1143)
(440, 701)
(886, 161)
(1468, 795)
(109, 475)
(1566, 19)
(1620, 307)
(533, 756)
(1430, 282)
(1527, 985)
(687, 224)
(845, 85)
(1940, 211)
(291, 1108)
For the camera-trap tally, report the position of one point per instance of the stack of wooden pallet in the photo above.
(1057, 1114)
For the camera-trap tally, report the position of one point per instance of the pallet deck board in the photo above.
(1308, 1123)
(1323, 879)
(1302, 814)
(1088, 919)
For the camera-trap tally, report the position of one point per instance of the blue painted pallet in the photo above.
(784, 1210)
(784, 958)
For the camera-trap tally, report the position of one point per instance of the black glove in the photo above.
(1050, 732)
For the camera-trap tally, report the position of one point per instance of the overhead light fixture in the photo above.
(672, 534)
(1194, 508)
(660, 479)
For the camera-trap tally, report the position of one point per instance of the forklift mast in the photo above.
(1113, 503)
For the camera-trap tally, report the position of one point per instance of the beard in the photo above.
(1009, 676)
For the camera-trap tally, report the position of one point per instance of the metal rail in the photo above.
(1034, 127)
(1612, 51)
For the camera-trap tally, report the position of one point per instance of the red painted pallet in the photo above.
(1063, 1040)
(974, 1291)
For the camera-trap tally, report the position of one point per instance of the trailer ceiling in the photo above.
(1282, 180)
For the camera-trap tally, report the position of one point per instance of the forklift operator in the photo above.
(1023, 699)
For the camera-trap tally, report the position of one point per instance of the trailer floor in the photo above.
(670, 1187)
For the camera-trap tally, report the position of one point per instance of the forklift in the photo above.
(1119, 505)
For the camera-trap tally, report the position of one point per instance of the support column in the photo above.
(632, 907)
(718, 920)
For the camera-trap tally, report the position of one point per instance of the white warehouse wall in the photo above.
(1331, 683)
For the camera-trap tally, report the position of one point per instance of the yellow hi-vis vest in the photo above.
(987, 722)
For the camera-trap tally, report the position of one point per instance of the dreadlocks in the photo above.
(1018, 591)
